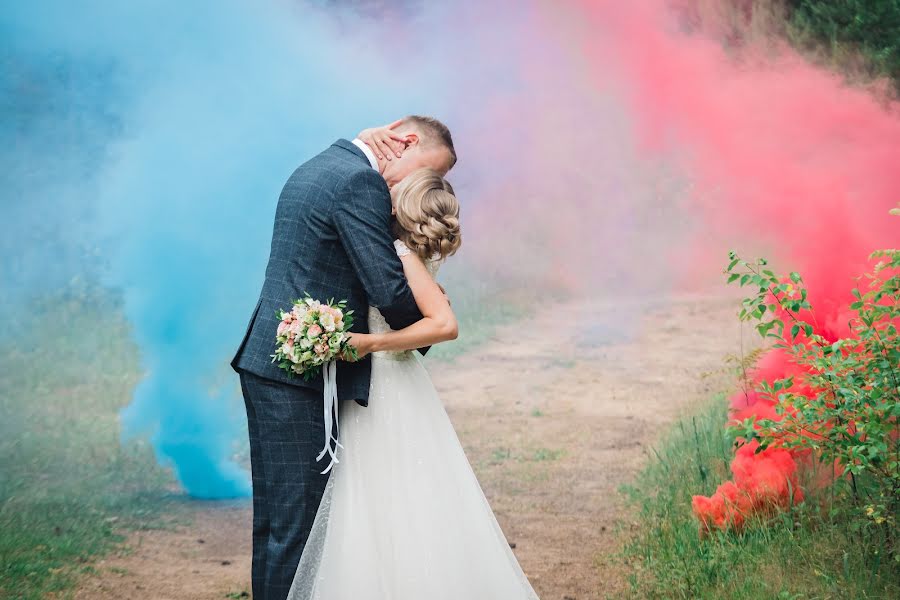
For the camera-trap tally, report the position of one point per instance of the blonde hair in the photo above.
(427, 219)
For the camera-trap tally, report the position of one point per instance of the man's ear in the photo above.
(412, 139)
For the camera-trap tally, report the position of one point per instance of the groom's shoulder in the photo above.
(345, 155)
(345, 165)
(337, 163)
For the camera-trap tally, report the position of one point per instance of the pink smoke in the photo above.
(781, 152)
(550, 182)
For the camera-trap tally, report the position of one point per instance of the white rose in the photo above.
(327, 321)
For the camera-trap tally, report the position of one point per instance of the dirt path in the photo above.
(554, 418)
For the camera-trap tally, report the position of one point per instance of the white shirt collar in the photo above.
(367, 151)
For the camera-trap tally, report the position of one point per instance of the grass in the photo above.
(480, 309)
(68, 488)
(500, 455)
(799, 555)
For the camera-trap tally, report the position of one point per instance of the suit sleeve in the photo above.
(362, 218)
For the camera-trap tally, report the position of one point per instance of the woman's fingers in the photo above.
(396, 142)
(387, 145)
(367, 136)
(378, 147)
(384, 141)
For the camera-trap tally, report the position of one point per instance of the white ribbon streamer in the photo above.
(329, 375)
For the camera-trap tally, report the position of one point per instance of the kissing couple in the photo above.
(401, 515)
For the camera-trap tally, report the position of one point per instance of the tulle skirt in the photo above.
(403, 516)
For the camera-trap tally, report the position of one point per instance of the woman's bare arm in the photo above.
(437, 325)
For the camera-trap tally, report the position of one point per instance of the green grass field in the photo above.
(68, 488)
(480, 310)
(801, 555)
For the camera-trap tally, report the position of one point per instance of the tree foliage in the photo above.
(870, 27)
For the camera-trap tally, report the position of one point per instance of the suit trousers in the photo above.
(287, 432)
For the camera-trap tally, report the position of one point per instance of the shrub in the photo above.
(843, 408)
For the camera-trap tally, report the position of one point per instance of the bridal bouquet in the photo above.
(312, 335)
(310, 339)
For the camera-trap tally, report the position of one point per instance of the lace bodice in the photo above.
(433, 264)
(377, 324)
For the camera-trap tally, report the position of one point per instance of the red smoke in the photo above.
(762, 483)
(781, 152)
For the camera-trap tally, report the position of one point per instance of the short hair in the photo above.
(434, 131)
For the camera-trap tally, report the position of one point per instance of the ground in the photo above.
(555, 413)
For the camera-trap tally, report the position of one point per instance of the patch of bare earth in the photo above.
(554, 420)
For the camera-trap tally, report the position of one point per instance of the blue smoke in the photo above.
(147, 142)
(155, 137)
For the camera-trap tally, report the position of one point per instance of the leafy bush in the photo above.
(847, 408)
(803, 553)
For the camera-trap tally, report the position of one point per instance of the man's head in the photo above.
(428, 145)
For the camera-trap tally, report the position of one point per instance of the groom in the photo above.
(332, 239)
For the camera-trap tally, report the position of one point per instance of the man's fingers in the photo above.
(395, 124)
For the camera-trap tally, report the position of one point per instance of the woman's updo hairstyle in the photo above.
(427, 215)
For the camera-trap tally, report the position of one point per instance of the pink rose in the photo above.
(282, 327)
(314, 332)
(321, 349)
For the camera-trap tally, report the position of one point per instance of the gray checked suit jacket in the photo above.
(332, 239)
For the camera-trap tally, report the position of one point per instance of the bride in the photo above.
(403, 516)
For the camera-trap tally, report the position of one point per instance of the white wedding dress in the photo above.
(403, 516)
